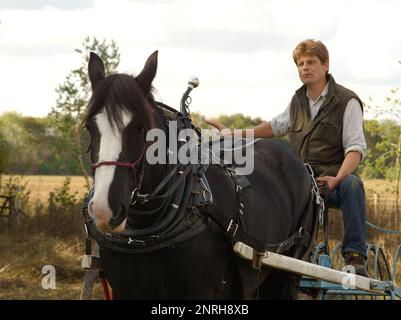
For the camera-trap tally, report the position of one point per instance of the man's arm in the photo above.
(263, 130)
(351, 162)
(348, 166)
(277, 127)
(354, 144)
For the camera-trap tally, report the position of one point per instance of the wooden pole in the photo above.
(304, 268)
(90, 276)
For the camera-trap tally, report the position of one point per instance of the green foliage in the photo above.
(73, 96)
(235, 121)
(384, 139)
(63, 197)
(31, 144)
(239, 121)
(4, 153)
(51, 145)
(15, 185)
(73, 93)
(381, 138)
(62, 217)
(28, 141)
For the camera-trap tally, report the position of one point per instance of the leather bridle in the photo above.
(129, 165)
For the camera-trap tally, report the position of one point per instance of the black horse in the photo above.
(157, 239)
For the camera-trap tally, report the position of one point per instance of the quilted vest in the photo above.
(319, 142)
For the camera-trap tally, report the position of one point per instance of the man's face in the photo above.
(311, 70)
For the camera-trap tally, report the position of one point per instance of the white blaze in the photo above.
(109, 150)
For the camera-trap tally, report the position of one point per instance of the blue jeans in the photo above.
(349, 196)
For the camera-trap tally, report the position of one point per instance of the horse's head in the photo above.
(118, 116)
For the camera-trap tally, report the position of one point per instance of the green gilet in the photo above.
(319, 142)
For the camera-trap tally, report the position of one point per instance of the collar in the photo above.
(322, 95)
(302, 92)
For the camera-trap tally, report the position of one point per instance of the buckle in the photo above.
(86, 262)
(139, 198)
(91, 262)
(232, 228)
(207, 196)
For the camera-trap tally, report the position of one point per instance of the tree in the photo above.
(4, 154)
(380, 137)
(392, 107)
(73, 96)
(27, 142)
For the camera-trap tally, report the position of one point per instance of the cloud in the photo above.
(40, 4)
(240, 41)
(240, 50)
(47, 49)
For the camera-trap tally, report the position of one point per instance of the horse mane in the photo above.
(122, 91)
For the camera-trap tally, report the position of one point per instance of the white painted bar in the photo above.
(315, 271)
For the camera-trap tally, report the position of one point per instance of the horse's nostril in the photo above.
(117, 219)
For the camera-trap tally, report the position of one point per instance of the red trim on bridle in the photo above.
(119, 164)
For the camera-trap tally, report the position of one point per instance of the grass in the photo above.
(41, 186)
(45, 237)
(56, 238)
(22, 260)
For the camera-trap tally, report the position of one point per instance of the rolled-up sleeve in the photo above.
(353, 136)
(281, 123)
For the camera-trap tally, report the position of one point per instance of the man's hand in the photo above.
(332, 182)
(223, 131)
(215, 123)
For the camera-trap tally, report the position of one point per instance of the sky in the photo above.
(241, 50)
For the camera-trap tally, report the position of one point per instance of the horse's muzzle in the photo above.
(118, 219)
(104, 219)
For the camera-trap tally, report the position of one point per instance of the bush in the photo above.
(60, 217)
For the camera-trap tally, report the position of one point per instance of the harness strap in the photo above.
(326, 193)
(146, 197)
(108, 294)
(237, 232)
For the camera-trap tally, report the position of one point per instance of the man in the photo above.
(324, 122)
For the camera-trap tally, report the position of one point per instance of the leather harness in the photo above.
(191, 190)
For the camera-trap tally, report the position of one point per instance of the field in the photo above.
(57, 239)
(40, 242)
(41, 186)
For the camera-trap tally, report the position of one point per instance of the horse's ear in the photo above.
(95, 70)
(148, 73)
